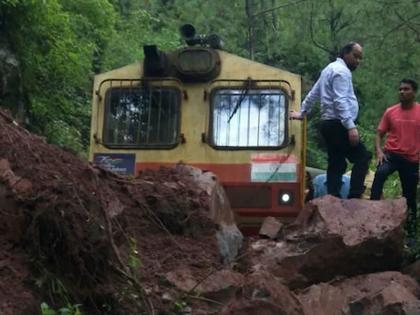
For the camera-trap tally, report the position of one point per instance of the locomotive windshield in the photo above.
(256, 119)
(142, 118)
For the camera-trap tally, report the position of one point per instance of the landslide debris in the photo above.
(166, 243)
(74, 232)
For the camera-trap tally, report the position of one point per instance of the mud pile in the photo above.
(73, 232)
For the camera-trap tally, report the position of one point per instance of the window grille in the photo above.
(142, 117)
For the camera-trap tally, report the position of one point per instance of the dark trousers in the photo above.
(339, 149)
(409, 177)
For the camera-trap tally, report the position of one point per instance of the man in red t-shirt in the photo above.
(401, 124)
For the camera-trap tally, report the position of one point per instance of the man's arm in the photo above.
(380, 156)
(308, 102)
(341, 86)
(353, 134)
(383, 127)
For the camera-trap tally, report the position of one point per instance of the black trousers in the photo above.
(409, 177)
(339, 149)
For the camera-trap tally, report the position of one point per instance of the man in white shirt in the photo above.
(339, 110)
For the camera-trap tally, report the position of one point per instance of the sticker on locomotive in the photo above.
(122, 164)
(272, 167)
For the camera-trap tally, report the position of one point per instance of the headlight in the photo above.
(285, 198)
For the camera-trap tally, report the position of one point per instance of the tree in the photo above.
(55, 43)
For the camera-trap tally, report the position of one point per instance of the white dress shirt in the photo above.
(334, 90)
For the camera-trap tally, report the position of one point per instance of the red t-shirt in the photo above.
(403, 131)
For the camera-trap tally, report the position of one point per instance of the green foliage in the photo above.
(58, 295)
(227, 20)
(179, 307)
(46, 310)
(136, 29)
(56, 68)
(68, 310)
(392, 187)
(11, 3)
(316, 153)
(60, 45)
(93, 22)
(134, 262)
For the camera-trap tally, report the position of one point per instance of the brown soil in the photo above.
(74, 232)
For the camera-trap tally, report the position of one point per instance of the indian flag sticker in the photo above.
(272, 167)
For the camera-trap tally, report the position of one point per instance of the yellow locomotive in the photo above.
(209, 109)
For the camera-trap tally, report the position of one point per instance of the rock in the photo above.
(376, 293)
(323, 298)
(229, 240)
(21, 187)
(263, 294)
(220, 209)
(115, 207)
(229, 237)
(270, 227)
(333, 237)
(406, 308)
(167, 297)
(390, 299)
(413, 270)
(219, 285)
(11, 87)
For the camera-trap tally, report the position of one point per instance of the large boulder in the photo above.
(379, 293)
(333, 237)
(229, 237)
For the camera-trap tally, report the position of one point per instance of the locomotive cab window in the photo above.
(142, 117)
(253, 118)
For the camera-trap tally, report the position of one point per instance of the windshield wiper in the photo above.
(247, 85)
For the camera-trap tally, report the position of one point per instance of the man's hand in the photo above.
(353, 136)
(295, 115)
(380, 156)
